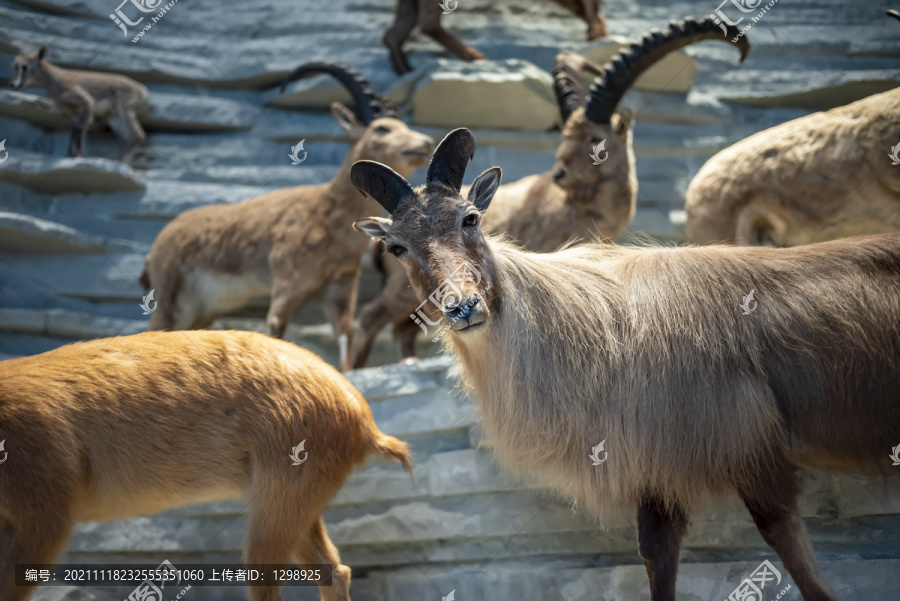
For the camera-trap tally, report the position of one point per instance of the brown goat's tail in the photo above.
(394, 449)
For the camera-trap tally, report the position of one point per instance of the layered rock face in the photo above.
(74, 232)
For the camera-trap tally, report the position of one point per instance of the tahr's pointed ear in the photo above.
(43, 52)
(382, 183)
(484, 187)
(376, 227)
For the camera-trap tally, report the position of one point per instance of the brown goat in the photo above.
(578, 199)
(289, 243)
(129, 426)
(85, 95)
(649, 350)
(427, 15)
(824, 176)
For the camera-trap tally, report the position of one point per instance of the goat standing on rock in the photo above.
(576, 200)
(289, 243)
(648, 349)
(85, 95)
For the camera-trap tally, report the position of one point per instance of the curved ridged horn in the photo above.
(894, 13)
(567, 81)
(382, 183)
(448, 164)
(624, 68)
(368, 104)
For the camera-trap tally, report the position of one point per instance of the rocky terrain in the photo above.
(74, 232)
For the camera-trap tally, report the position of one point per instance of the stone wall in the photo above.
(74, 232)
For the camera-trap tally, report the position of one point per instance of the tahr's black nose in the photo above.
(559, 174)
(463, 309)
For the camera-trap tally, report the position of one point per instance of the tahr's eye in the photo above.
(470, 220)
(396, 250)
(382, 129)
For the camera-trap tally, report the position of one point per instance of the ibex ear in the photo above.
(345, 118)
(42, 52)
(484, 187)
(622, 120)
(376, 227)
(382, 183)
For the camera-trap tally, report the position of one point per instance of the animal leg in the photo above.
(773, 507)
(341, 304)
(34, 541)
(398, 33)
(286, 297)
(430, 24)
(82, 107)
(129, 129)
(384, 309)
(660, 532)
(277, 521)
(405, 333)
(595, 20)
(318, 549)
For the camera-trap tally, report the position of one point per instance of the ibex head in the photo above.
(589, 120)
(26, 66)
(373, 125)
(436, 233)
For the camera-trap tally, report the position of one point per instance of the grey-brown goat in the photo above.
(576, 200)
(86, 95)
(650, 350)
(289, 243)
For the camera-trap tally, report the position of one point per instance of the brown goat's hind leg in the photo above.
(318, 549)
(780, 525)
(430, 24)
(660, 532)
(398, 33)
(33, 542)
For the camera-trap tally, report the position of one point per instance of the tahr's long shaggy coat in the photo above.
(128, 426)
(661, 353)
(650, 350)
